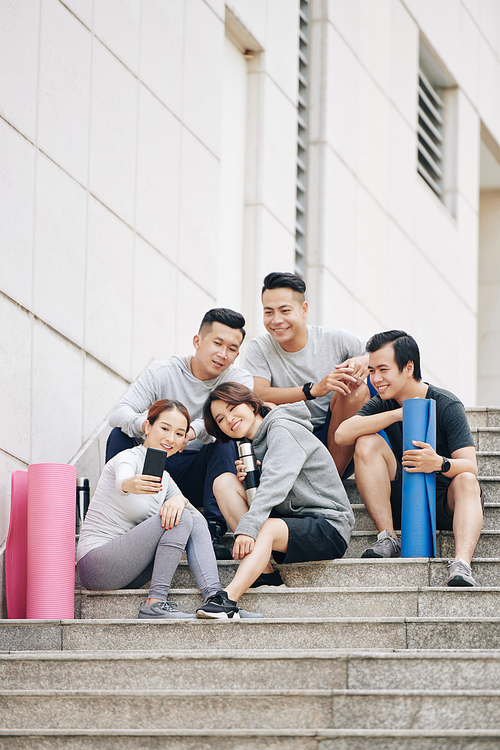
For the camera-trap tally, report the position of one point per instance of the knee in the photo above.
(465, 485)
(185, 525)
(223, 484)
(366, 447)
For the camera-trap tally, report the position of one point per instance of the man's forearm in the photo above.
(350, 430)
(280, 395)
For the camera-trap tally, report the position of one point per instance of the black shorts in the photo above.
(310, 538)
(444, 520)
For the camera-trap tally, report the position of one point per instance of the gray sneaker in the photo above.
(385, 546)
(459, 574)
(163, 611)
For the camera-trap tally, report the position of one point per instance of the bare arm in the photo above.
(350, 430)
(425, 459)
(340, 381)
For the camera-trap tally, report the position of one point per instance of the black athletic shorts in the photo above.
(444, 521)
(310, 538)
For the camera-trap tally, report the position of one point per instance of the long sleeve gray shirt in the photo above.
(171, 379)
(299, 476)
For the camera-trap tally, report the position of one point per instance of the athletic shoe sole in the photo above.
(458, 581)
(217, 615)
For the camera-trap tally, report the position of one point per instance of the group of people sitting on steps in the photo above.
(304, 402)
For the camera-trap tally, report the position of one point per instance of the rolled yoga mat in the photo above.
(16, 548)
(418, 515)
(51, 541)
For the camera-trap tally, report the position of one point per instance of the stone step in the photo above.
(290, 670)
(488, 463)
(253, 709)
(487, 438)
(487, 546)
(358, 573)
(279, 633)
(415, 709)
(491, 521)
(314, 602)
(250, 739)
(483, 416)
(490, 486)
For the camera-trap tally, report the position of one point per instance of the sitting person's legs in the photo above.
(464, 504)
(233, 503)
(118, 562)
(378, 482)
(342, 407)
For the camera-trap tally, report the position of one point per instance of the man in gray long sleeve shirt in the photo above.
(189, 380)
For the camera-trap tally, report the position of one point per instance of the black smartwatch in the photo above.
(445, 466)
(307, 391)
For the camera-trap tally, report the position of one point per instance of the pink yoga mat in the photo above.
(51, 542)
(16, 549)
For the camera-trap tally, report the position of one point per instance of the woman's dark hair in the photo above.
(167, 404)
(278, 280)
(223, 315)
(405, 349)
(233, 394)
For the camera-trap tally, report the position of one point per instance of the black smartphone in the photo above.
(154, 464)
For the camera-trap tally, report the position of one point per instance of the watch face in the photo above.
(445, 466)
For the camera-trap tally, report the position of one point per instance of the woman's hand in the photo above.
(241, 470)
(142, 484)
(171, 511)
(243, 545)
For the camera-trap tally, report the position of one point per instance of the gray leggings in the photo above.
(150, 552)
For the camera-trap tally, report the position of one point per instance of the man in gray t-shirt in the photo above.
(325, 367)
(189, 380)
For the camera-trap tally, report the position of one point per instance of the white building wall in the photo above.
(384, 252)
(110, 177)
(111, 133)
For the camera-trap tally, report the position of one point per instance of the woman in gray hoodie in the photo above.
(300, 511)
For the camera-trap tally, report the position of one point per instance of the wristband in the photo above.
(307, 391)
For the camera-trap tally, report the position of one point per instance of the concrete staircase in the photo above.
(353, 654)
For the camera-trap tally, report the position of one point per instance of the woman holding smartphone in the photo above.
(137, 526)
(300, 511)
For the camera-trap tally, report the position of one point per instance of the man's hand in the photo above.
(359, 367)
(171, 511)
(341, 381)
(142, 484)
(243, 545)
(424, 460)
(190, 435)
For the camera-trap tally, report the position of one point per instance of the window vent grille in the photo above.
(430, 135)
(301, 183)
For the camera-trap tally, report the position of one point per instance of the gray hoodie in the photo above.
(298, 476)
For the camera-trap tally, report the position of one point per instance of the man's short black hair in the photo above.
(277, 280)
(405, 349)
(223, 315)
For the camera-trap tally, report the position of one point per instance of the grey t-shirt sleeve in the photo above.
(353, 345)
(131, 411)
(456, 427)
(256, 362)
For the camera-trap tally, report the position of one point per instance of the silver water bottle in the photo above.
(252, 478)
(82, 502)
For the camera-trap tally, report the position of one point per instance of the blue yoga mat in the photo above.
(418, 516)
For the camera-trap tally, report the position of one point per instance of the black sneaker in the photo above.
(219, 607)
(221, 552)
(268, 579)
